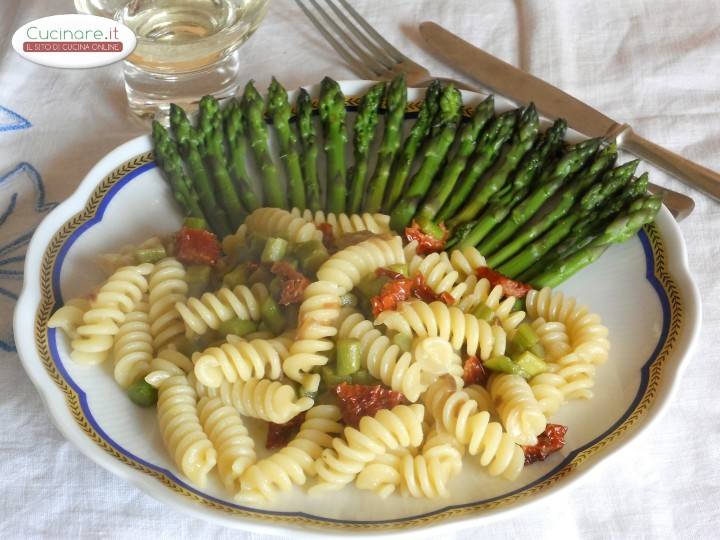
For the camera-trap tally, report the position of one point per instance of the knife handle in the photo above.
(684, 170)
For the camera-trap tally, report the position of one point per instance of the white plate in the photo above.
(642, 289)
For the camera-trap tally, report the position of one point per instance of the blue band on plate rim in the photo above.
(46, 342)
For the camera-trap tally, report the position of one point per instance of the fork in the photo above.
(367, 53)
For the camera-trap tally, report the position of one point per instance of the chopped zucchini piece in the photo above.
(274, 250)
(530, 364)
(503, 364)
(331, 378)
(348, 356)
(484, 312)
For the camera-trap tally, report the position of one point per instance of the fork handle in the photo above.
(684, 170)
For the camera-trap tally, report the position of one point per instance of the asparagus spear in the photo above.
(188, 145)
(168, 158)
(237, 148)
(208, 114)
(364, 133)
(565, 200)
(500, 205)
(331, 106)
(306, 129)
(569, 164)
(395, 101)
(279, 110)
(590, 224)
(612, 181)
(488, 147)
(435, 152)
(496, 177)
(622, 228)
(419, 132)
(468, 139)
(253, 115)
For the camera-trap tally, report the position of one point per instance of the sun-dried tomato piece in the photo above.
(391, 294)
(358, 400)
(328, 238)
(293, 283)
(427, 243)
(278, 435)
(197, 246)
(392, 274)
(423, 291)
(549, 441)
(474, 372)
(511, 287)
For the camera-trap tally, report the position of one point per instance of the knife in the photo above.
(524, 88)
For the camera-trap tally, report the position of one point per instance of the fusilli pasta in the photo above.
(168, 286)
(279, 223)
(133, 349)
(167, 363)
(517, 407)
(69, 316)
(343, 224)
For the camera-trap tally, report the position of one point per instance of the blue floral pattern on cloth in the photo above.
(22, 207)
(11, 121)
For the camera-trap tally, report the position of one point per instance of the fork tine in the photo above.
(395, 54)
(382, 56)
(371, 63)
(354, 64)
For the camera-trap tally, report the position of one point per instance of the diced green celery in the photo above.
(331, 378)
(538, 350)
(503, 364)
(525, 336)
(484, 312)
(142, 394)
(362, 376)
(237, 327)
(513, 349)
(403, 341)
(303, 249)
(237, 276)
(272, 316)
(150, 255)
(311, 255)
(400, 268)
(198, 278)
(530, 364)
(275, 286)
(274, 250)
(348, 357)
(195, 223)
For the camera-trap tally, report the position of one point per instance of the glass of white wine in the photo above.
(185, 48)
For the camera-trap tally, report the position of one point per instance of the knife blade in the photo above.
(523, 88)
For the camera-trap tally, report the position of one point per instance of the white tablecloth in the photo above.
(652, 63)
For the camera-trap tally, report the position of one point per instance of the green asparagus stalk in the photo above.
(237, 149)
(612, 181)
(279, 110)
(208, 115)
(487, 150)
(419, 133)
(306, 129)
(497, 176)
(188, 145)
(567, 196)
(364, 134)
(168, 158)
(504, 201)
(591, 222)
(569, 164)
(331, 107)
(395, 102)
(253, 114)
(468, 139)
(622, 228)
(435, 152)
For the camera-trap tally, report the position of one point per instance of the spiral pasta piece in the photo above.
(229, 436)
(166, 364)
(181, 431)
(125, 256)
(167, 286)
(553, 337)
(573, 379)
(208, 311)
(587, 334)
(343, 224)
(400, 426)
(241, 359)
(438, 273)
(293, 464)
(133, 349)
(279, 223)
(69, 316)
(264, 399)
(232, 242)
(117, 297)
(448, 322)
(457, 414)
(467, 260)
(519, 411)
(402, 371)
(478, 291)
